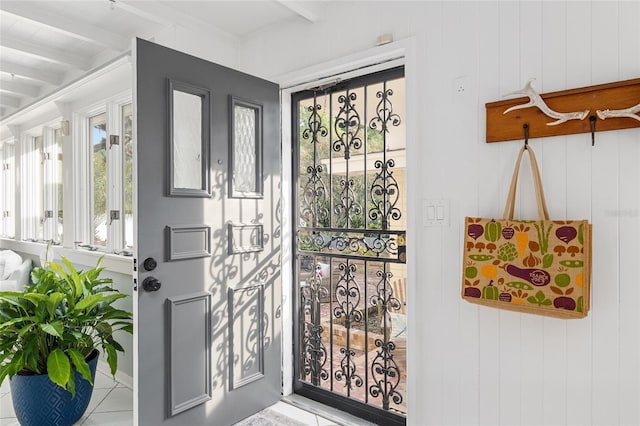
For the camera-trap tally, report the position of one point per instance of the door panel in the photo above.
(209, 337)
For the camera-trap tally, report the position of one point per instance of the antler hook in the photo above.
(536, 100)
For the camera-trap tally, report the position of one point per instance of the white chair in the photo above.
(14, 271)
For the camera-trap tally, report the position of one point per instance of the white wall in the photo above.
(475, 365)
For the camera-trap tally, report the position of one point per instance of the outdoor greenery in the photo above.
(58, 321)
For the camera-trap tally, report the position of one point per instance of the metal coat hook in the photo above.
(525, 126)
(592, 122)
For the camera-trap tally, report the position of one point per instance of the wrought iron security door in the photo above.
(350, 273)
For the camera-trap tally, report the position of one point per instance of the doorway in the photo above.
(349, 192)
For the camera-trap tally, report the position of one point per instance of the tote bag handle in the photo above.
(509, 208)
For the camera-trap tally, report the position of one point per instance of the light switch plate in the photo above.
(435, 212)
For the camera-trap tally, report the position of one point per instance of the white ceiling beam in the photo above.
(9, 101)
(163, 13)
(31, 73)
(45, 53)
(298, 8)
(63, 25)
(19, 88)
(150, 14)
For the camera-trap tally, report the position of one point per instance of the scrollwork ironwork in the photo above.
(384, 296)
(347, 294)
(347, 370)
(384, 113)
(314, 123)
(384, 193)
(314, 196)
(377, 245)
(348, 205)
(385, 375)
(314, 350)
(384, 369)
(347, 126)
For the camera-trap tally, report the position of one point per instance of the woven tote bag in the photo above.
(539, 266)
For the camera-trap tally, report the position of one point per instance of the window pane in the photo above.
(39, 182)
(244, 149)
(98, 137)
(127, 174)
(58, 184)
(187, 140)
(8, 229)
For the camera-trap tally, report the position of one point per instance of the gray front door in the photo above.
(208, 240)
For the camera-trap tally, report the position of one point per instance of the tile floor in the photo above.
(112, 405)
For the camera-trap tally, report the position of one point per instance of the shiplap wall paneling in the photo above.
(604, 187)
(578, 172)
(460, 61)
(489, 195)
(629, 227)
(432, 37)
(554, 178)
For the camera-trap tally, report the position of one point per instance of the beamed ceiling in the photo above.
(47, 44)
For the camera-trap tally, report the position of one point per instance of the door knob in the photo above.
(151, 284)
(149, 264)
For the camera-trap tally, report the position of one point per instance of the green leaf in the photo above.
(52, 303)
(533, 300)
(116, 314)
(31, 352)
(540, 296)
(546, 302)
(89, 302)
(17, 363)
(127, 328)
(74, 276)
(4, 372)
(9, 323)
(112, 359)
(81, 365)
(104, 328)
(59, 367)
(71, 386)
(115, 344)
(54, 328)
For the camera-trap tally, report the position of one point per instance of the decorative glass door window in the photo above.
(245, 150)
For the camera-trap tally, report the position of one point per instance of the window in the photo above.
(98, 137)
(41, 162)
(57, 186)
(39, 183)
(108, 204)
(127, 179)
(7, 200)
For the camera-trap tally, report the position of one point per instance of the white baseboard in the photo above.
(121, 377)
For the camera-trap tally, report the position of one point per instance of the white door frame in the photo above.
(402, 52)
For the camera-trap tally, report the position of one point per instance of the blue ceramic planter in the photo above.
(38, 401)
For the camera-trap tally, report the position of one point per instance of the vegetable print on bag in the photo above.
(534, 266)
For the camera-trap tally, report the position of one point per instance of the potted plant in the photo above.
(49, 339)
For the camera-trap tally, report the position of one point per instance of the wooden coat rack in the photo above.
(612, 96)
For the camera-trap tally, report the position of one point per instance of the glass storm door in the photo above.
(208, 294)
(350, 226)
